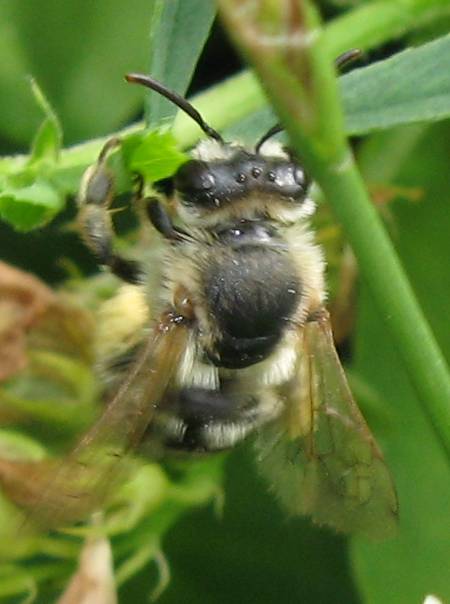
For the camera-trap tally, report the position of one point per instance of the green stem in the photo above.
(392, 293)
(296, 54)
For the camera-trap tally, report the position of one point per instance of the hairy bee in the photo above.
(229, 337)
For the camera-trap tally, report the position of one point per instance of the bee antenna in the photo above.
(348, 57)
(344, 59)
(176, 99)
(271, 132)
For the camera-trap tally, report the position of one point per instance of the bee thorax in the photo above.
(252, 291)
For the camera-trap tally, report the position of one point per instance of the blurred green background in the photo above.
(79, 51)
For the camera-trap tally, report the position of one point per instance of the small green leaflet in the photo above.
(154, 155)
(28, 198)
(48, 139)
(30, 206)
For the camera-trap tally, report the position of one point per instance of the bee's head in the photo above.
(220, 173)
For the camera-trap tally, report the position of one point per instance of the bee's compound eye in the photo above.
(300, 177)
(194, 178)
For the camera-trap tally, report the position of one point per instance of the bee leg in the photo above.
(160, 219)
(95, 197)
(157, 213)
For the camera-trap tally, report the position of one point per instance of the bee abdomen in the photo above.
(203, 421)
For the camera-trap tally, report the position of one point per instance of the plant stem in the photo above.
(392, 293)
(295, 72)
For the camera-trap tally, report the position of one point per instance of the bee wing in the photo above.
(321, 457)
(69, 491)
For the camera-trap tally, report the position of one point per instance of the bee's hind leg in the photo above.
(95, 197)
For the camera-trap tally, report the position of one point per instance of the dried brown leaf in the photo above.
(32, 315)
(23, 301)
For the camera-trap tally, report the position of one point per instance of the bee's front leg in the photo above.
(95, 197)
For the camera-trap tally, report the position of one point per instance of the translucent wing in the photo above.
(321, 457)
(60, 494)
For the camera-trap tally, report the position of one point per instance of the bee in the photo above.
(229, 338)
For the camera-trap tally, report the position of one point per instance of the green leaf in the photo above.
(367, 96)
(415, 563)
(156, 156)
(372, 23)
(30, 206)
(178, 33)
(14, 581)
(14, 445)
(412, 86)
(47, 142)
(79, 53)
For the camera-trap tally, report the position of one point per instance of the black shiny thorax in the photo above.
(251, 289)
